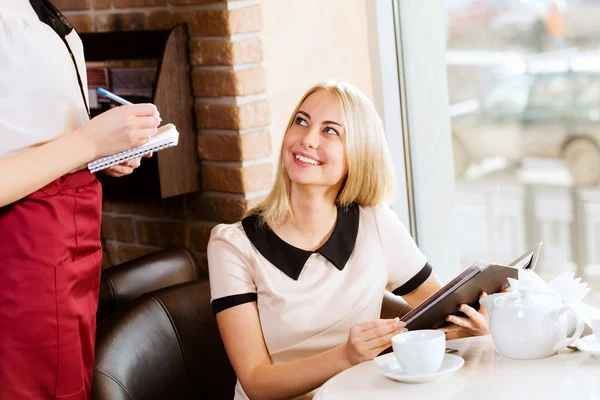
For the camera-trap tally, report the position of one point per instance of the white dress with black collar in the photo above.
(308, 301)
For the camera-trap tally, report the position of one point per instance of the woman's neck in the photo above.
(314, 218)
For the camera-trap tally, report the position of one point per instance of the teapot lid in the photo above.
(526, 297)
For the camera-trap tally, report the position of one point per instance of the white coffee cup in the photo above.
(421, 351)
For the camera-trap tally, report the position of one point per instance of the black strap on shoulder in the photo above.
(49, 14)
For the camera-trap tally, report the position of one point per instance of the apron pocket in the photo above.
(76, 293)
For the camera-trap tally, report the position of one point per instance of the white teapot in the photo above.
(526, 325)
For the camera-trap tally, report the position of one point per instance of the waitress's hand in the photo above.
(121, 128)
(125, 168)
(367, 339)
(477, 322)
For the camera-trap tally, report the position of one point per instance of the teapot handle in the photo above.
(578, 331)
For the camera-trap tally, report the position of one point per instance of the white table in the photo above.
(486, 375)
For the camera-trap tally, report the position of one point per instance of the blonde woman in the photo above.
(297, 285)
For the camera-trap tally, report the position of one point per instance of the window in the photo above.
(534, 179)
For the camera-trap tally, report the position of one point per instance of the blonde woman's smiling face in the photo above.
(313, 149)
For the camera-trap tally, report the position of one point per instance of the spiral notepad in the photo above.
(167, 136)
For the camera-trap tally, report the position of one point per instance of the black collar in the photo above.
(289, 259)
(50, 15)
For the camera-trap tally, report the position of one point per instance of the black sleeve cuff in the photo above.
(415, 281)
(223, 303)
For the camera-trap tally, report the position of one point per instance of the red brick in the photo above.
(228, 83)
(154, 207)
(102, 4)
(202, 262)
(124, 228)
(245, 20)
(130, 251)
(233, 116)
(221, 22)
(225, 52)
(120, 22)
(218, 207)
(138, 3)
(248, 146)
(110, 254)
(174, 206)
(171, 207)
(199, 235)
(237, 179)
(163, 233)
(159, 20)
(67, 5)
(108, 227)
(177, 2)
(81, 23)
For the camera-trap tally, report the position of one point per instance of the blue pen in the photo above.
(112, 96)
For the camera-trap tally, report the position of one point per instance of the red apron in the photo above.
(50, 257)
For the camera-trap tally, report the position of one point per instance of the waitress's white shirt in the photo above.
(40, 98)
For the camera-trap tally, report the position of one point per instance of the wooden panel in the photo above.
(179, 166)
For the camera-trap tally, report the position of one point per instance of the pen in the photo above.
(112, 96)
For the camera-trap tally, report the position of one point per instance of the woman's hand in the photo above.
(121, 128)
(477, 323)
(125, 168)
(367, 339)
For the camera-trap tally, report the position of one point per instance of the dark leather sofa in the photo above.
(125, 282)
(165, 344)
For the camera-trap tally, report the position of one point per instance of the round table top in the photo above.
(486, 375)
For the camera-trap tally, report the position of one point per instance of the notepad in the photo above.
(167, 136)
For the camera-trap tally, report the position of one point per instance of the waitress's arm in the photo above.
(115, 130)
(33, 169)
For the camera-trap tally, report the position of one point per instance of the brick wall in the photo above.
(232, 117)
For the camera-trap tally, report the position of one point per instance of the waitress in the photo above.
(50, 205)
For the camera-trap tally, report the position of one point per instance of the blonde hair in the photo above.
(370, 178)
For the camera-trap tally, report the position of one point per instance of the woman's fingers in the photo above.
(469, 311)
(147, 122)
(143, 136)
(482, 307)
(382, 329)
(377, 323)
(451, 328)
(460, 321)
(118, 171)
(134, 163)
(476, 322)
(384, 340)
(144, 109)
(478, 318)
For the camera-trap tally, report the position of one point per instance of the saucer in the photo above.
(391, 369)
(589, 344)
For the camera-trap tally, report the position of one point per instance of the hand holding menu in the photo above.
(167, 136)
(465, 289)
